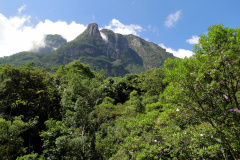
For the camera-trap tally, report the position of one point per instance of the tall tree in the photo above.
(28, 92)
(206, 88)
(78, 88)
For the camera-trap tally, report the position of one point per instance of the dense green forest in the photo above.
(189, 109)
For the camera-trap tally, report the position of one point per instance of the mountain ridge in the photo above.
(115, 53)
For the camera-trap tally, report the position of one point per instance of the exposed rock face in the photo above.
(91, 31)
(55, 40)
(116, 42)
(110, 39)
(152, 54)
(122, 43)
(135, 41)
(52, 42)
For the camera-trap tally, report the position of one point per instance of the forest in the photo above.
(188, 109)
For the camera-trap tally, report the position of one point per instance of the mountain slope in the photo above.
(52, 42)
(116, 54)
(152, 54)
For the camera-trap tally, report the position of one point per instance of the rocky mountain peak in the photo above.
(52, 42)
(91, 31)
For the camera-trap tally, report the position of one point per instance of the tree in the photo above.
(56, 140)
(206, 88)
(74, 136)
(136, 102)
(10, 137)
(28, 92)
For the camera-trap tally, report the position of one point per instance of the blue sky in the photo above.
(173, 24)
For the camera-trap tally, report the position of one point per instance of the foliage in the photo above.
(10, 139)
(73, 137)
(206, 88)
(30, 93)
(32, 156)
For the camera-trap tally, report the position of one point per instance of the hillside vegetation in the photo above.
(188, 109)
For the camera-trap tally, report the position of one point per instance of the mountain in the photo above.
(116, 54)
(52, 42)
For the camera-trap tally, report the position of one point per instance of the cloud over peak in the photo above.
(117, 27)
(172, 19)
(17, 31)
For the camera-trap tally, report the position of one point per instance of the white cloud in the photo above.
(153, 29)
(173, 18)
(68, 31)
(193, 40)
(104, 37)
(117, 27)
(22, 9)
(17, 34)
(180, 53)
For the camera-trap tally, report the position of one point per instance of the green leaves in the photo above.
(204, 87)
(10, 139)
